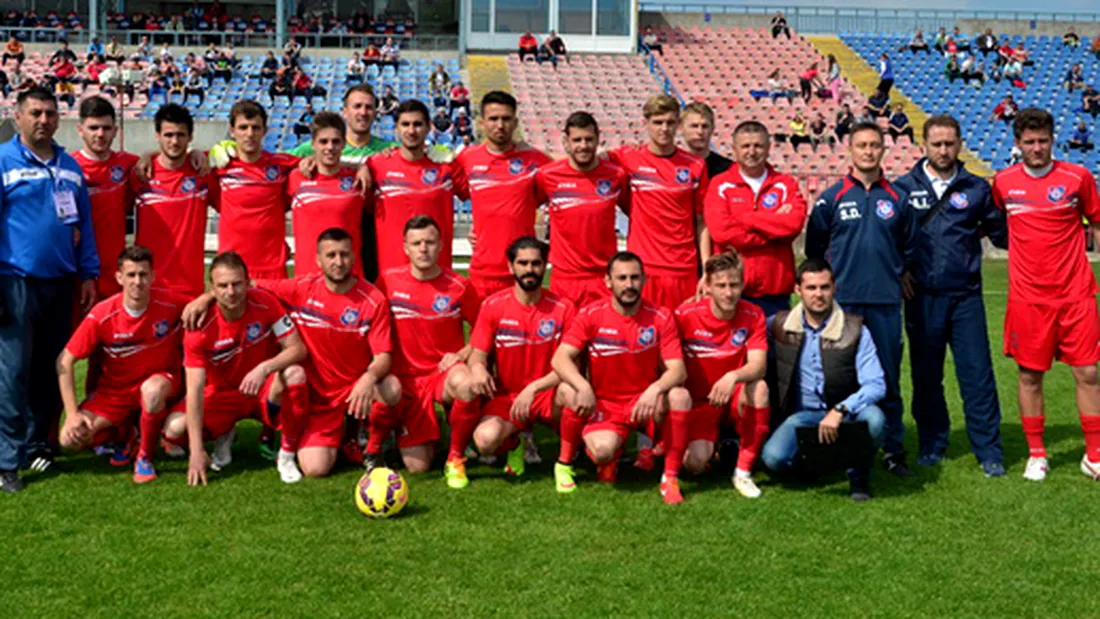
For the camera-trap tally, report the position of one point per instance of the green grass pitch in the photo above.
(947, 543)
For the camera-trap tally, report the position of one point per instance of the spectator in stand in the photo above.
(21, 82)
(779, 26)
(1022, 55)
(1081, 139)
(144, 49)
(280, 88)
(844, 121)
(918, 44)
(1005, 110)
(270, 67)
(193, 85)
(1094, 47)
(198, 66)
(652, 40)
(1005, 52)
(95, 49)
(303, 127)
(291, 52)
(547, 55)
(879, 104)
(557, 45)
(885, 73)
(951, 69)
(951, 50)
(355, 69)
(391, 53)
(899, 125)
(441, 126)
(223, 69)
(13, 50)
(64, 52)
(211, 53)
(973, 71)
(808, 82)
(819, 132)
(460, 98)
(1090, 101)
(439, 83)
(987, 42)
(961, 42)
(94, 69)
(5, 84)
(230, 54)
(63, 70)
(165, 53)
(940, 42)
(113, 52)
(1014, 73)
(798, 131)
(528, 46)
(1075, 78)
(372, 55)
(301, 84)
(832, 78)
(1071, 38)
(463, 126)
(175, 85)
(866, 116)
(389, 102)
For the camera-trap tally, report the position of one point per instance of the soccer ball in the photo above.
(381, 493)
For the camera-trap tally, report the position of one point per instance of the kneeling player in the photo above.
(135, 337)
(726, 353)
(628, 341)
(519, 328)
(237, 365)
(429, 303)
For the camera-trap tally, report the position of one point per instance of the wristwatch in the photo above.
(843, 410)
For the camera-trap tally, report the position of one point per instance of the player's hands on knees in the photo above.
(448, 361)
(363, 394)
(521, 406)
(482, 381)
(584, 402)
(646, 406)
(722, 391)
(308, 166)
(254, 380)
(196, 467)
(78, 428)
(829, 428)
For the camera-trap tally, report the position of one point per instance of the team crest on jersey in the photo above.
(771, 200)
(429, 176)
(959, 201)
(188, 184)
(739, 337)
(515, 166)
(252, 331)
(603, 187)
(272, 172)
(646, 336)
(1055, 194)
(546, 327)
(683, 175)
(349, 316)
(160, 328)
(346, 183)
(441, 303)
(884, 209)
(116, 174)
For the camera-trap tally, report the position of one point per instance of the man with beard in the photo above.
(635, 369)
(518, 330)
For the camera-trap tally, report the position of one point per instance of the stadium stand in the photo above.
(922, 78)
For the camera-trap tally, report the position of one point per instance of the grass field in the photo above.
(947, 543)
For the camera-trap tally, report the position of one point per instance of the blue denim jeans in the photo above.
(780, 453)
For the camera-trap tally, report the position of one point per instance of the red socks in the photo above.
(151, 426)
(753, 429)
(382, 421)
(295, 407)
(572, 434)
(464, 419)
(1091, 426)
(1033, 433)
(676, 442)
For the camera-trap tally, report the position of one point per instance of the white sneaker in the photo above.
(746, 486)
(223, 450)
(287, 464)
(531, 449)
(1036, 469)
(1089, 468)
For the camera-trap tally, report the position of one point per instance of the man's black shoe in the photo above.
(373, 461)
(40, 462)
(860, 494)
(895, 465)
(10, 482)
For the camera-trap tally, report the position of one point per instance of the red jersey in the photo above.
(342, 332)
(666, 195)
(582, 214)
(251, 200)
(112, 198)
(521, 338)
(502, 201)
(1046, 262)
(403, 189)
(714, 347)
(228, 350)
(624, 352)
(132, 348)
(171, 223)
(321, 203)
(427, 317)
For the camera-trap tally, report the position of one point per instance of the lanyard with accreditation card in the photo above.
(64, 202)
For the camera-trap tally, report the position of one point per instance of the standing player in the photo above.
(237, 365)
(635, 368)
(581, 193)
(759, 212)
(518, 329)
(697, 129)
(108, 175)
(500, 176)
(328, 199)
(666, 214)
(408, 183)
(429, 304)
(726, 353)
(250, 195)
(1051, 289)
(136, 335)
(171, 205)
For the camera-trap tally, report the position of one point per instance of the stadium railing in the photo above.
(129, 38)
(658, 72)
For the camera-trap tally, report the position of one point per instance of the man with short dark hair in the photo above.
(697, 129)
(47, 239)
(823, 371)
(955, 211)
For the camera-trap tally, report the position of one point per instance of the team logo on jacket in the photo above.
(441, 303)
(771, 200)
(272, 172)
(429, 176)
(160, 328)
(346, 183)
(188, 184)
(646, 336)
(252, 331)
(515, 166)
(884, 209)
(1055, 194)
(959, 201)
(683, 175)
(116, 174)
(546, 327)
(349, 316)
(739, 337)
(603, 187)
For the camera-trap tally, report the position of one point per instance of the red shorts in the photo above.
(418, 424)
(670, 290)
(119, 407)
(324, 425)
(1035, 335)
(222, 410)
(614, 415)
(705, 420)
(542, 410)
(485, 286)
(580, 291)
(268, 273)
